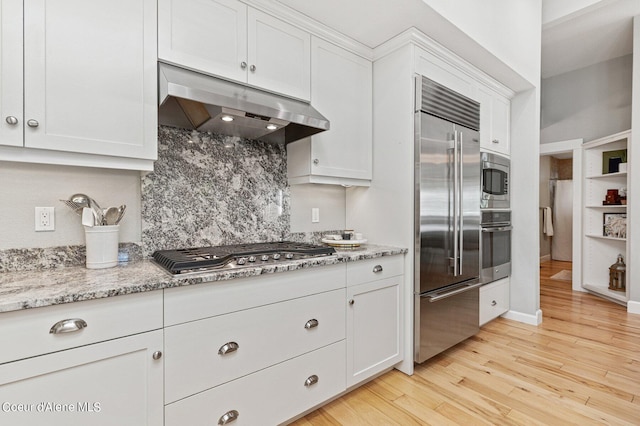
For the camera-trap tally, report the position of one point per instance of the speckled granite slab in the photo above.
(208, 190)
(32, 289)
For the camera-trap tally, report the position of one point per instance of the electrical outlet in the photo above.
(315, 215)
(45, 219)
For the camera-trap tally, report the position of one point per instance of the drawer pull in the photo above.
(494, 303)
(312, 380)
(228, 417)
(228, 348)
(312, 323)
(377, 268)
(68, 326)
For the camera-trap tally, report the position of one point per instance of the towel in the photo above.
(547, 222)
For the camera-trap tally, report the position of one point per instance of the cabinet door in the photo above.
(494, 121)
(91, 76)
(206, 35)
(373, 328)
(112, 383)
(11, 73)
(341, 89)
(279, 56)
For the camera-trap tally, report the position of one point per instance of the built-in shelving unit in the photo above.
(600, 251)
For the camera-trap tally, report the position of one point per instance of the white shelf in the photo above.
(617, 296)
(610, 206)
(608, 175)
(605, 238)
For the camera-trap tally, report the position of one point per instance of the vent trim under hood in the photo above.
(188, 99)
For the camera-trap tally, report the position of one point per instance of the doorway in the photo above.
(560, 207)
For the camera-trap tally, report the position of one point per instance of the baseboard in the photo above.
(525, 318)
(545, 258)
(633, 307)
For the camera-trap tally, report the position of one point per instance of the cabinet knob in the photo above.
(311, 380)
(252, 68)
(228, 417)
(227, 348)
(316, 161)
(68, 326)
(495, 141)
(243, 65)
(157, 355)
(377, 268)
(12, 120)
(312, 323)
(32, 123)
(351, 301)
(494, 303)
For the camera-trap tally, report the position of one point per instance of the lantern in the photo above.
(617, 273)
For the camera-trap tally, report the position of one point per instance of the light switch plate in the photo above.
(315, 215)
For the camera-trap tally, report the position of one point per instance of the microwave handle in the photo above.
(500, 229)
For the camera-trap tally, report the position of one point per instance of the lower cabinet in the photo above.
(266, 397)
(374, 337)
(117, 382)
(494, 300)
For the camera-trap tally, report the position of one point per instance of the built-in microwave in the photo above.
(494, 181)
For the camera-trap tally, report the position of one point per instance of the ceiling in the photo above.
(576, 34)
(598, 32)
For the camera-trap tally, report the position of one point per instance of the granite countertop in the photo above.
(33, 289)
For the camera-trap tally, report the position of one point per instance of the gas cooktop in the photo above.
(200, 259)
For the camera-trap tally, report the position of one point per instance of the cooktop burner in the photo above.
(200, 259)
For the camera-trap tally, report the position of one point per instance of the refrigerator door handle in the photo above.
(456, 205)
(460, 205)
(453, 292)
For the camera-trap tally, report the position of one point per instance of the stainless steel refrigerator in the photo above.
(447, 218)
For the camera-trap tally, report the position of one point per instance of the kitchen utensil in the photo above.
(80, 199)
(73, 206)
(111, 216)
(88, 217)
(121, 211)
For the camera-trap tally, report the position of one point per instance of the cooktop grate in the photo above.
(203, 258)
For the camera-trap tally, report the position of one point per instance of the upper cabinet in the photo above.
(341, 89)
(89, 84)
(231, 40)
(495, 115)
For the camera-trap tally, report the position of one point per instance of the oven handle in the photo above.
(500, 229)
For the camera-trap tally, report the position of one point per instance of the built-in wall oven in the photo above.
(494, 181)
(495, 245)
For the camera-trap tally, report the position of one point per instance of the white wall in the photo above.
(588, 103)
(554, 9)
(509, 29)
(329, 199)
(25, 186)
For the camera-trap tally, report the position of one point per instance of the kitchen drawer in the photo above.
(26, 333)
(270, 396)
(364, 271)
(264, 336)
(207, 300)
(494, 300)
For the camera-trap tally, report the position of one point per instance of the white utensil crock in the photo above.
(102, 246)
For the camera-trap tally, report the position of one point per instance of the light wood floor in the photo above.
(580, 366)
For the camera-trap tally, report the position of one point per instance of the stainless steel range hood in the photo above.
(191, 100)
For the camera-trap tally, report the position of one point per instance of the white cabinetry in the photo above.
(116, 380)
(89, 81)
(262, 349)
(229, 39)
(495, 116)
(341, 89)
(374, 327)
(494, 300)
(599, 250)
